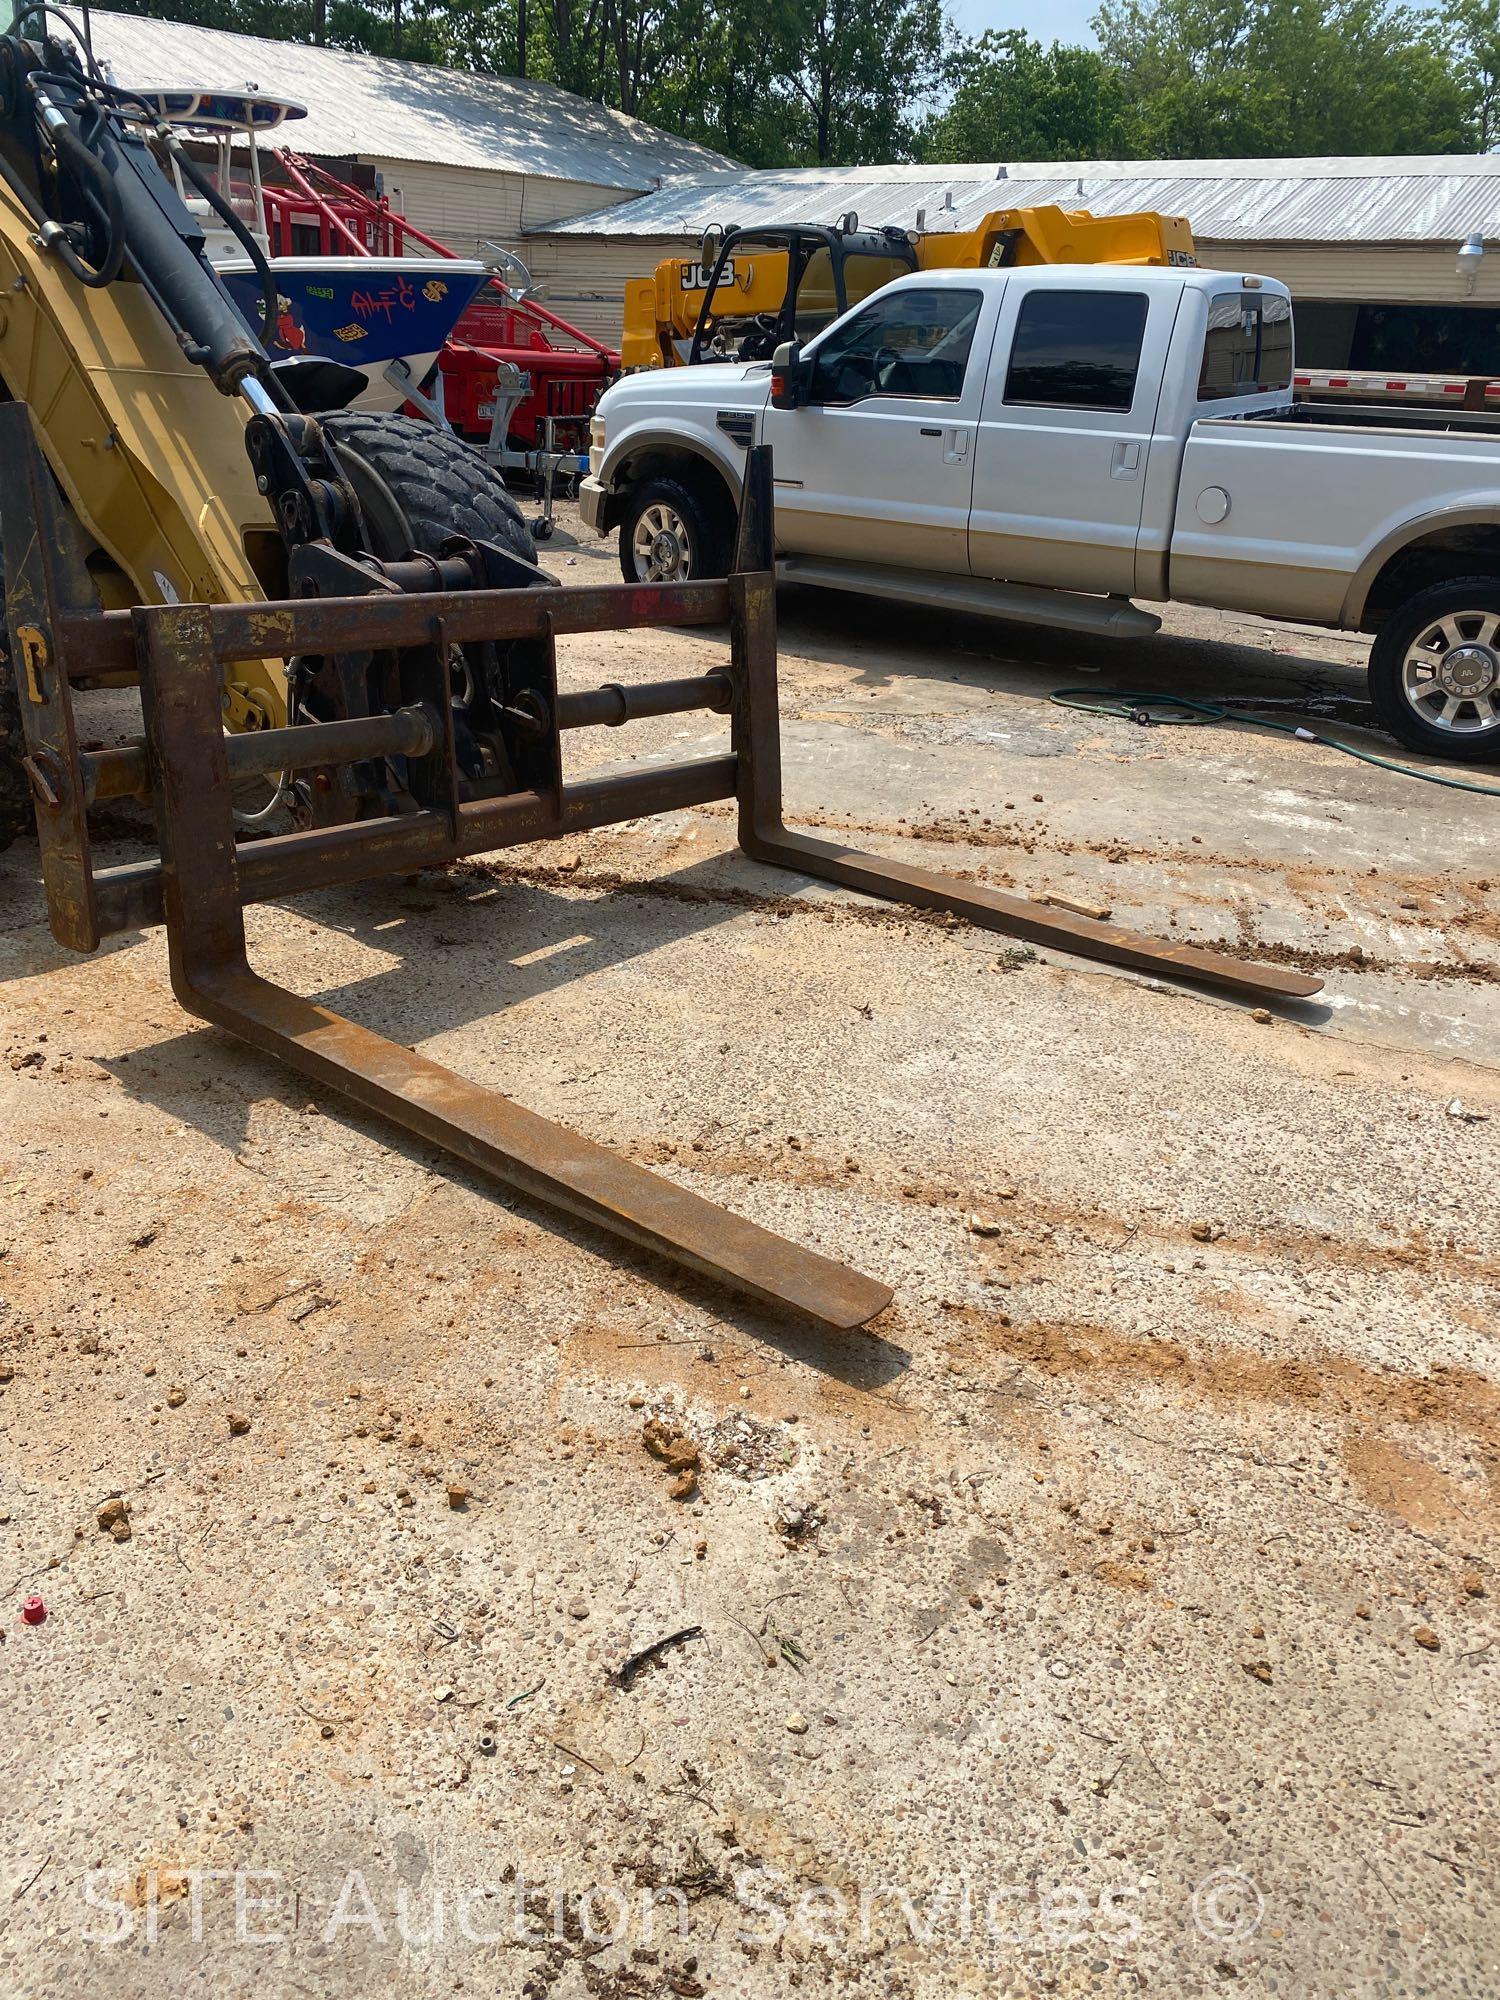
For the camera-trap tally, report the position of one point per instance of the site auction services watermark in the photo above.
(264, 1907)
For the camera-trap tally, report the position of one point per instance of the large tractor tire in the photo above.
(418, 485)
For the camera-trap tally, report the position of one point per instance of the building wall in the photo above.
(464, 206)
(1422, 273)
(585, 276)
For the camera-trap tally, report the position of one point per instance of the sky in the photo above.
(1060, 21)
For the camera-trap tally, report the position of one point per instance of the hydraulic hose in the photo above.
(237, 229)
(1137, 708)
(96, 88)
(41, 9)
(98, 187)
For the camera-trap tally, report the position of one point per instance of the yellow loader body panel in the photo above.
(148, 452)
(664, 309)
(1052, 235)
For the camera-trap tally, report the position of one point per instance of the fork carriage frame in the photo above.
(202, 879)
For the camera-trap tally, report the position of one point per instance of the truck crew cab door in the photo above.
(1065, 435)
(876, 465)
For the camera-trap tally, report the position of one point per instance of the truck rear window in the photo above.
(1248, 346)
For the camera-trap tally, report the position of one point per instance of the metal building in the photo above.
(1395, 262)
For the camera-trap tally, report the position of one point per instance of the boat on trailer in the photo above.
(387, 316)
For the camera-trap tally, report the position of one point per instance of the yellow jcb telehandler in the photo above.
(752, 288)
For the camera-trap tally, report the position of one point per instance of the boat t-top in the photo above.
(387, 316)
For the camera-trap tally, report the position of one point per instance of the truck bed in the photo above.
(1385, 417)
(1284, 511)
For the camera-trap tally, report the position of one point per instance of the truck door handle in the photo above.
(1125, 461)
(955, 445)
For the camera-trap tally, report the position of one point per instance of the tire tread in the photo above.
(709, 520)
(443, 486)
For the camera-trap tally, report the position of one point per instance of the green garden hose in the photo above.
(1138, 708)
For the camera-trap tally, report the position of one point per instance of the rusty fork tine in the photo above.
(543, 1160)
(992, 909)
(765, 837)
(212, 978)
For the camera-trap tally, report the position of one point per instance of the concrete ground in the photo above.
(1118, 1615)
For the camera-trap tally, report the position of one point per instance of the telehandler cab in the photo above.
(752, 288)
(349, 608)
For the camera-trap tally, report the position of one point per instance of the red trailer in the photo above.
(302, 223)
(566, 380)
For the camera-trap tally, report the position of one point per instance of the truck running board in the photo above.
(202, 879)
(1068, 610)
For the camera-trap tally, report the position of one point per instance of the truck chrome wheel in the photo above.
(661, 546)
(1451, 674)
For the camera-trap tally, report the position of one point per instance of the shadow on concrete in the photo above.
(890, 643)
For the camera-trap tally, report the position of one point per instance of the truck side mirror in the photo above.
(788, 376)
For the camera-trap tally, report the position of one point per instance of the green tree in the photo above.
(774, 82)
(1013, 99)
(856, 77)
(836, 82)
(1472, 31)
(724, 86)
(1216, 78)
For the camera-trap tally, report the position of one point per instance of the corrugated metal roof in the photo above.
(1398, 200)
(372, 107)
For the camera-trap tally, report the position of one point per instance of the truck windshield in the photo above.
(1248, 346)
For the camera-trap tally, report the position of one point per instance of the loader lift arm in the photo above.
(201, 880)
(125, 314)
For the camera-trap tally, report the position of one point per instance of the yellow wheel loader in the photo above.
(752, 288)
(194, 467)
(346, 608)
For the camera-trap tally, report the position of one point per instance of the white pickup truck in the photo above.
(1046, 444)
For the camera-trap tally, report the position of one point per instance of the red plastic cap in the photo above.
(33, 1611)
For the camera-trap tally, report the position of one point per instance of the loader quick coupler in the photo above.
(202, 878)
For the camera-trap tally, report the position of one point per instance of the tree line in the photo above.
(840, 82)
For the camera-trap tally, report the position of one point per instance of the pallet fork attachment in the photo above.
(202, 879)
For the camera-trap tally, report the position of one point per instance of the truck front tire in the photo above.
(1435, 671)
(673, 532)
